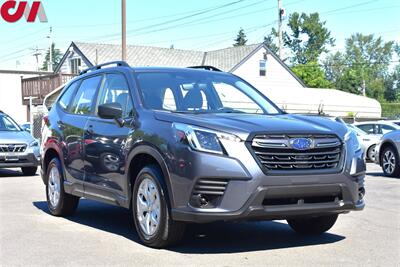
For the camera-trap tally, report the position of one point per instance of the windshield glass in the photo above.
(7, 124)
(201, 92)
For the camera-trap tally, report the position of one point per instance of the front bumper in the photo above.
(29, 159)
(253, 195)
(257, 209)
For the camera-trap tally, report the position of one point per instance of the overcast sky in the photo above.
(189, 24)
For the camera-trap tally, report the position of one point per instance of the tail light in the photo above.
(46, 120)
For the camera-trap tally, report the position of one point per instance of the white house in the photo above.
(255, 63)
(11, 99)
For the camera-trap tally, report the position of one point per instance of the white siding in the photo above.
(66, 66)
(11, 96)
(277, 76)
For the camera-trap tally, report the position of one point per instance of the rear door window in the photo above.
(84, 98)
(384, 129)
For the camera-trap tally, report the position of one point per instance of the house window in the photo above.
(263, 65)
(75, 65)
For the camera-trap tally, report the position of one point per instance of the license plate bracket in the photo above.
(11, 156)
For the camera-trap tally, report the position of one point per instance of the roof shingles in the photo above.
(139, 56)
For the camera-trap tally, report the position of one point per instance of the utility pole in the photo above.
(36, 54)
(123, 5)
(280, 13)
(50, 65)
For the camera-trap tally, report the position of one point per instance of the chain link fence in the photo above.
(37, 125)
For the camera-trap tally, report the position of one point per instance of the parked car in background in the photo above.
(378, 128)
(181, 145)
(18, 149)
(388, 153)
(368, 142)
(26, 127)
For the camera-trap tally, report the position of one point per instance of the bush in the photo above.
(390, 110)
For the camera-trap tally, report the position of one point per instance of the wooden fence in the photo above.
(40, 86)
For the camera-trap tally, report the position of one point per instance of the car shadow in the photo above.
(212, 238)
(6, 173)
(381, 175)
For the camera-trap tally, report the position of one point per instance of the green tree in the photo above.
(240, 38)
(312, 75)
(56, 57)
(308, 37)
(270, 41)
(366, 60)
(392, 81)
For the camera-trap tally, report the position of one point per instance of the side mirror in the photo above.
(110, 111)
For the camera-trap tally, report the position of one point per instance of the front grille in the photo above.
(13, 147)
(276, 152)
(210, 187)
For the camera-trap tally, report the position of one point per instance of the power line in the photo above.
(348, 64)
(141, 20)
(178, 19)
(347, 7)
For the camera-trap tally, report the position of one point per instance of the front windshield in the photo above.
(201, 92)
(7, 124)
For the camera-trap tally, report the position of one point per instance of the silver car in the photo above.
(368, 142)
(387, 153)
(18, 149)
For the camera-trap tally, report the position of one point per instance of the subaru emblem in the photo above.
(301, 143)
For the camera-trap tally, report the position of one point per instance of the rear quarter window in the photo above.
(84, 98)
(67, 96)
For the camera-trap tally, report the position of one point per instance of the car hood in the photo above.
(7, 137)
(245, 124)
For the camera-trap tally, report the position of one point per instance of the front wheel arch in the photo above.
(141, 157)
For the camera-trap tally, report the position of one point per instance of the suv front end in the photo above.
(18, 149)
(261, 176)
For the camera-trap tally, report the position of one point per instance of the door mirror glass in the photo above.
(110, 111)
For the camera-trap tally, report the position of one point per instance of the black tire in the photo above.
(313, 225)
(371, 153)
(395, 172)
(168, 232)
(29, 171)
(67, 203)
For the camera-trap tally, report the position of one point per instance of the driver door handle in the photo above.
(89, 130)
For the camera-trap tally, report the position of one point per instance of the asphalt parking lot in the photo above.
(102, 235)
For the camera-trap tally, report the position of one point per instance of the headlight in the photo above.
(34, 144)
(352, 141)
(202, 139)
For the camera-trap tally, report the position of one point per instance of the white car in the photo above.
(368, 142)
(377, 128)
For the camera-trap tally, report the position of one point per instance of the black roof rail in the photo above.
(98, 67)
(205, 68)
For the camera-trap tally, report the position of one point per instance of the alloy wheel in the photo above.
(389, 162)
(54, 186)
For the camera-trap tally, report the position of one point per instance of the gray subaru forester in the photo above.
(185, 145)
